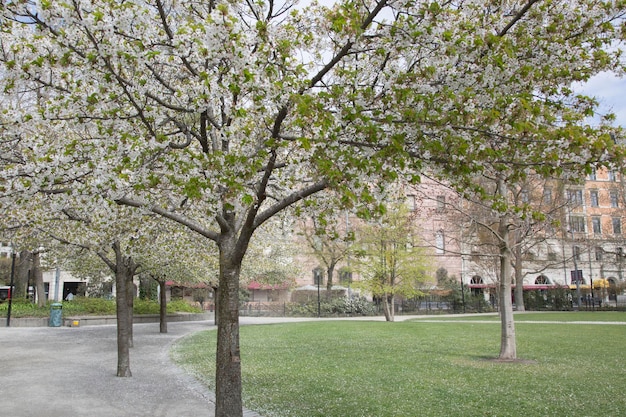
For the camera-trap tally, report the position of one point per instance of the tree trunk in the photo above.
(162, 307)
(22, 271)
(329, 282)
(508, 349)
(228, 402)
(388, 307)
(124, 271)
(123, 324)
(37, 274)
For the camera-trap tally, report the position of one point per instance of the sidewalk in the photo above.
(70, 372)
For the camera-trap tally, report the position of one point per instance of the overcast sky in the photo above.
(610, 92)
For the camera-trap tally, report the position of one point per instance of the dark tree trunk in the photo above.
(228, 402)
(124, 273)
(329, 282)
(37, 276)
(123, 324)
(162, 307)
(22, 272)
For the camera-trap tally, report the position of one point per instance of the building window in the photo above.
(318, 276)
(577, 277)
(441, 202)
(345, 276)
(525, 196)
(612, 176)
(597, 225)
(575, 197)
(440, 242)
(577, 223)
(599, 252)
(617, 226)
(411, 202)
(576, 252)
(542, 280)
(592, 174)
(547, 195)
(614, 199)
(595, 201)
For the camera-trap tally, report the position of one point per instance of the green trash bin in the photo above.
(56, 315)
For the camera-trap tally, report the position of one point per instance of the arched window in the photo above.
(612, 288)
(542, 280)
(476, 279)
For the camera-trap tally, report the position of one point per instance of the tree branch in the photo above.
(517, 17)
(346, 48)
(289, 200)
(182, 220)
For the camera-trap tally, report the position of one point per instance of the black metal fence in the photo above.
(344, 307)
(545, 300)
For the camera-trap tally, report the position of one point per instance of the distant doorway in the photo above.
(477, 283)
(76, 288)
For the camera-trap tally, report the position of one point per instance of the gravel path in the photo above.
(70, 371)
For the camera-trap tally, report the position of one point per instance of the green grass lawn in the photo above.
(560, 316)
(377, 369)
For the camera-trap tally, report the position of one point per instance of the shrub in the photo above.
(334, 307)
(89, 306)
(153, 307)
(182, 306)
(92, 306)
(23, 308)
(558, 299)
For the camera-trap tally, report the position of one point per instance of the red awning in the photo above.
(255, 285)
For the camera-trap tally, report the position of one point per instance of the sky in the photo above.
(610, 91)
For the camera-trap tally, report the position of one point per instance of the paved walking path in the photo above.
(70, 372)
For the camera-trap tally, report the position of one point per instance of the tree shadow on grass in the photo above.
(498, 360)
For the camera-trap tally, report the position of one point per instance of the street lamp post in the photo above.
(463, 294)
(318, 299)
(577, 275)
(317, 276)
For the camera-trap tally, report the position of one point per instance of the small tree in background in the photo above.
(327, 235)
(389, 260)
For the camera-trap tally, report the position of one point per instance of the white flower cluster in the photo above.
(215, 108)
